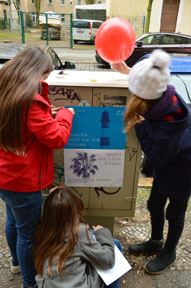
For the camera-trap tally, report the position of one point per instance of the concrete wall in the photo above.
(184, 20)
(127, 9)
(3, 7)
(15, 20)
(156, 16)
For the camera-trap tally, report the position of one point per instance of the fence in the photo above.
(50, 29)
(9, 27)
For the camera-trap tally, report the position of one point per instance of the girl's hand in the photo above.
(97, 227)
(139, 118)
(55, 109)
(121, 67)
(53, 187)
(72, 110)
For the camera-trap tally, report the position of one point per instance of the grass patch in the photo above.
(33, 38)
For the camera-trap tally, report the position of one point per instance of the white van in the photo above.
(85, 30)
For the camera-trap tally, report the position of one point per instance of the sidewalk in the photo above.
(127, 230)
(131, 230)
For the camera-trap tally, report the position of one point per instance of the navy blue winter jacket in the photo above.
(167, 144)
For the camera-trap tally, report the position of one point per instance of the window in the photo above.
(54, 57)
(185, 40)
(96, 25)
(32, 2)
(81, 24)
(5, 15)
(70, 2)
(79, 2)
(62, 2)
(63, 19)
(151, 40)
(49, 1)
(34, 17)
(171, 39)
(168, 39)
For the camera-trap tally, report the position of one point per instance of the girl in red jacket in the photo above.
(28, 135)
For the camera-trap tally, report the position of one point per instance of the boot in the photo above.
(161, 262)
(148, 247)
(15, 269)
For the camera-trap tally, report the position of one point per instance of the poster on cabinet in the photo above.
(94, 155)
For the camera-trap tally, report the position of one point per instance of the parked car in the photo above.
(85, 30)
(146, 43)
(10, 50)
(181, 79)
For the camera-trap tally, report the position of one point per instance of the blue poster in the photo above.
(94, 155)
(97, 128)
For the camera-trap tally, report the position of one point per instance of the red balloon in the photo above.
(115, 40)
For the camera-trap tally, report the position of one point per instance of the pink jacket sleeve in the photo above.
(54, 133)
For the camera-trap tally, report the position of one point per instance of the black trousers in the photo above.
(175, 214)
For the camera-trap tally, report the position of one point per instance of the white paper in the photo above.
(120, 267)
(109, 167)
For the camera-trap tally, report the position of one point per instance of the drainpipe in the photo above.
(148, 16)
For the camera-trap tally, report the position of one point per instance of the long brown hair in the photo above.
(63, 212)
(19, 81)
(136, 107)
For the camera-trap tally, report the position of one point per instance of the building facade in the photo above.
(57, 6)
(166, 15)
(171, 16)
(133, 11)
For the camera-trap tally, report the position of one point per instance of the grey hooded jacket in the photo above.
(78, 271)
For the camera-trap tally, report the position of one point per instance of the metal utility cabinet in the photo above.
(98, 89)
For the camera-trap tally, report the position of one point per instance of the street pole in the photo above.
(22, 27)
(148, 16)
(11, 20)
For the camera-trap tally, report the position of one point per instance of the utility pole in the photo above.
(11, 20)
(148, 16)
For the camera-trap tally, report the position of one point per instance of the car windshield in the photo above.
(182, 83)
(81, 24)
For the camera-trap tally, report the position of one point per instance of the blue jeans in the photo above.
(114, 284)
(23, 214)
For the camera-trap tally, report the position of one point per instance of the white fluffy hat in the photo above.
(148, 79)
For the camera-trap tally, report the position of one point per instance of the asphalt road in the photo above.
(76, 55)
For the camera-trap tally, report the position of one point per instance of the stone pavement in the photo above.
(127, 230)
(131, 230)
